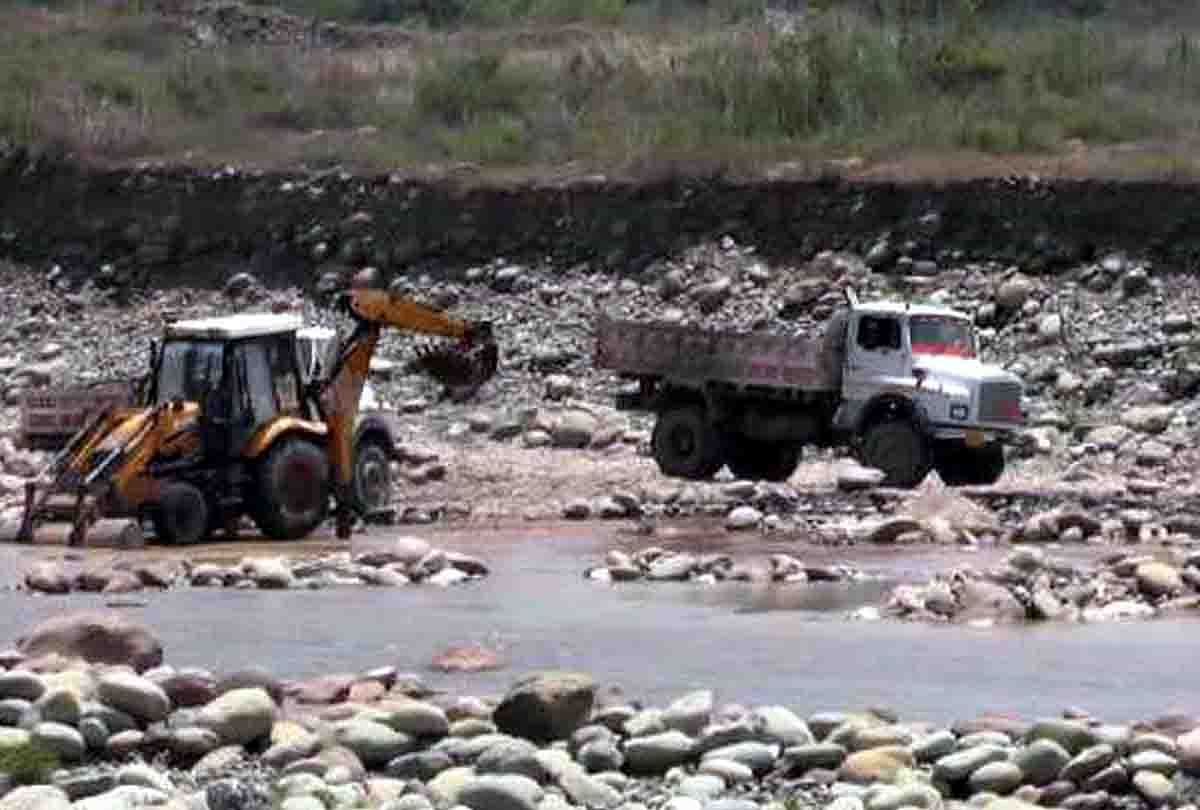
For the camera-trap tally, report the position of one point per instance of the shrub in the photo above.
(28, 764)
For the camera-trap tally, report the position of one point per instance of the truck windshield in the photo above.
(933, 334)
(188, 369)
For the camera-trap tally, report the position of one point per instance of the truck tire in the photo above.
(292, 489)
(898, 449)
(685, 445)
(182, 516)
(751, 460)
(966, 466)
(372, 482)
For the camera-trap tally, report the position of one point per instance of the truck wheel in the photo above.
(292, 485)
(182, 515)
(372, 476)
(898, 449)
(751, 460)
(685, 445)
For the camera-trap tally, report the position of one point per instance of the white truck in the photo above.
(900, 384)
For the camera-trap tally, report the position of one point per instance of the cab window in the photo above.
(877, 332)
(187, 370)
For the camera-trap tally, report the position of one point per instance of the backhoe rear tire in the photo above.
(899, 450)
(182, 516)
(292, 489)
(685, 445)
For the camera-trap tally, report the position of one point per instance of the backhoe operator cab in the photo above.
(235, 384)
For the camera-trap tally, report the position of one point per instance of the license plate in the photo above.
(975, 438)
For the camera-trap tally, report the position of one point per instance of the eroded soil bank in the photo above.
(174, 225)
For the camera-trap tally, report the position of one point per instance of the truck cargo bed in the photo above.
(697, 356)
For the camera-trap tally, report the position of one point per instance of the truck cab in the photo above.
(915, 393)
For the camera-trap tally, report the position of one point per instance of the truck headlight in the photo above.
(958, 411)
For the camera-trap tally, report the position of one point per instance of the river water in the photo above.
(754, 644)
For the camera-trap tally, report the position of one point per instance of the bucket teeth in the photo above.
(453, 366)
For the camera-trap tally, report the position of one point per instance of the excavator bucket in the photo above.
(464, 367)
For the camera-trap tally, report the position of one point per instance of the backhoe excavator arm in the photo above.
(471, 363)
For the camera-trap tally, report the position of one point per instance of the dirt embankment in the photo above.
(172, 224)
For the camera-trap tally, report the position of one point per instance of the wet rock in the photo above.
(109, 638)
(546, 706)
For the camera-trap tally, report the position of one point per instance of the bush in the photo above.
(28, 764)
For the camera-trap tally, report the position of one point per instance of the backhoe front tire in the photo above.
(899, 450)
(182, 516)
(372, 476)
(292, 488)
(685, 445)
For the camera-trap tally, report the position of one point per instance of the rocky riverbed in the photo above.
(92, 715)
(406, 561)
(1107, 349)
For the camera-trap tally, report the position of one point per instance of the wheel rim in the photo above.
(373, 479)
(682, 441)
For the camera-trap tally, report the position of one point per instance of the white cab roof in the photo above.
(900, 308)
(233, 327)
(316, 333)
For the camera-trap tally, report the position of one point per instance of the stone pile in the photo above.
(1033, 586)
(656, 564)
(120, 735)
(403, 561)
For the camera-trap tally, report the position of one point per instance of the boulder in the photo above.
(35, 797)
(875, 765)
(98, 637)
(574, 428)
(1158, 579)
(373, 743)
(239, 716)
(546, 706)
(987, 601)
(48, 577)
(1041, 762)
(655, 754)
(136, 696)
(501, 792)
(268, 572)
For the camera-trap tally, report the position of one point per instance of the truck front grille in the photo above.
(1000, 402)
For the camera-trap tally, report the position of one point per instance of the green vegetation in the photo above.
(711, 84)
(28, 764)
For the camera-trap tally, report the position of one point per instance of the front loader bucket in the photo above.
(68, 489)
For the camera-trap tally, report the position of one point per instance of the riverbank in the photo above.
(380, 738)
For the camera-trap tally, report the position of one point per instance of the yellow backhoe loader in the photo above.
(230, 425)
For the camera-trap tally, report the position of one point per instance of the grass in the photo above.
(718, 86)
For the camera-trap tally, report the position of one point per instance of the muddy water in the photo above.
(751, 643)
